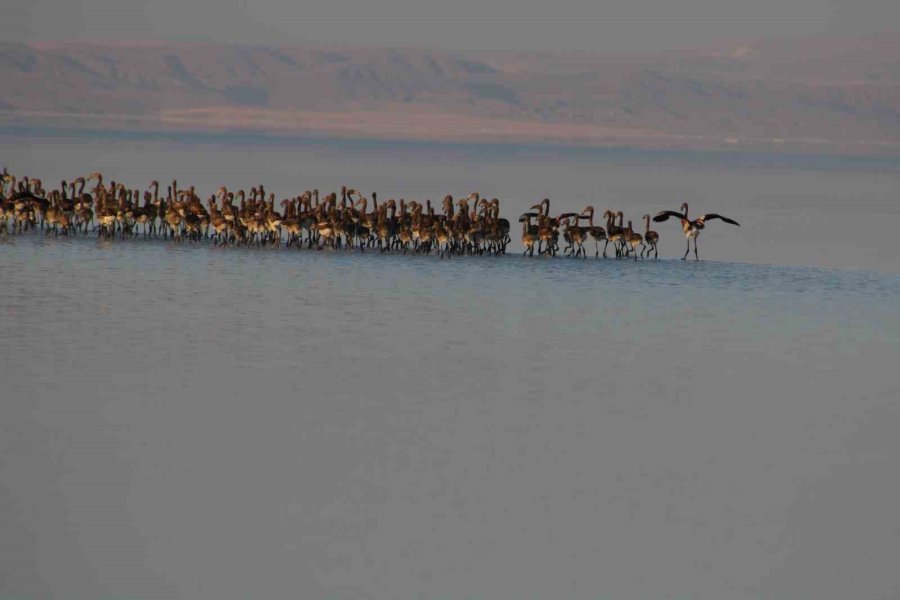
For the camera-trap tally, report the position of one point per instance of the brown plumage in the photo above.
(651, 238)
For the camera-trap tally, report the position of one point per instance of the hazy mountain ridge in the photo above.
(783, 91)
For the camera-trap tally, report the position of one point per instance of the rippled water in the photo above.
(183, 421)
(198, 422)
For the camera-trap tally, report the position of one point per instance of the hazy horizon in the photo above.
(215, 419)
(615, 26)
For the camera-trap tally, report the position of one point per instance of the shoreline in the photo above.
(293, 138)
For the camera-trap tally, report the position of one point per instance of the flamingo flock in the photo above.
(335, 221)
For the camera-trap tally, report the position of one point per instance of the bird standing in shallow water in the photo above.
(652, 239)
(691, 228)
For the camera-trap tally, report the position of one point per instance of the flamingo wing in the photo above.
(711, 216)
(665, 214)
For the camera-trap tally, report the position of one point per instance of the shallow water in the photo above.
(187, 421)
(832, 212)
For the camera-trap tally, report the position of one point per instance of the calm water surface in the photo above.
(186, 421)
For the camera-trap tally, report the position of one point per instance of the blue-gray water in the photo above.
(181, 421)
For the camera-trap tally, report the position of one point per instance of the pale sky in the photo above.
(625, 26)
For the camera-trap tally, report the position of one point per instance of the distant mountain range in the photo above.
(825, 94)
